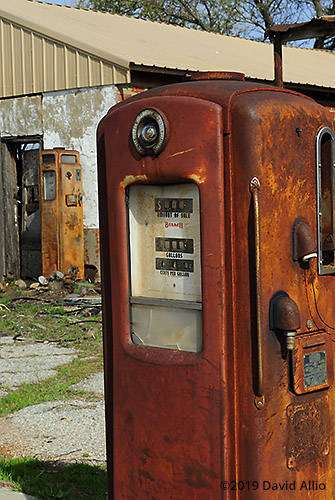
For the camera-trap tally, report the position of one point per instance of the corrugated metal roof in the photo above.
(37, 58)
(73, 47)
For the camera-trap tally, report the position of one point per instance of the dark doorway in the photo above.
(22, 222)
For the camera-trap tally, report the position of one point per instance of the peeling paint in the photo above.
(197, 179)
(130, 179)
(20, 117)
(181, 152)
(70, 120)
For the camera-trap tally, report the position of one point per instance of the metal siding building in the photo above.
(62, 68)
(47, 47)
(34, 59)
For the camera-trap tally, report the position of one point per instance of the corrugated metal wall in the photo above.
(31, 63)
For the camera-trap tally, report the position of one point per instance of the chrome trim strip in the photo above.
(324, 130)
(181, 304)
(254, 187)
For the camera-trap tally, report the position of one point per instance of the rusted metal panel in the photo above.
(10, 209)
(92, 253)
(157, 443)
(185, 425)
(265, 143)
(308, 433)
(61, 205)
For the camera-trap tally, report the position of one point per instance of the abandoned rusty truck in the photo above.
(217, 225)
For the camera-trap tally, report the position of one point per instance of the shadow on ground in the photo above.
(55, 480)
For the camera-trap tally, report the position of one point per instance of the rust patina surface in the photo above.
(61, 208)
(185, 426)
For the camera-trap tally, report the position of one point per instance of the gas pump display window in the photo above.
(68, 159)
(49, 185)
(48, 158)
(165, 266)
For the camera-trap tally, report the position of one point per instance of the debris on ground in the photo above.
(36, 325)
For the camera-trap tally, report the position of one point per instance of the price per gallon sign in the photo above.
(164, 225)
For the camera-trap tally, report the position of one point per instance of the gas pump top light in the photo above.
(149, 132)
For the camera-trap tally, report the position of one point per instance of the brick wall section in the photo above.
(123, 92)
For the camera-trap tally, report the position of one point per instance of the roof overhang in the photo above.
(281, 33)
(319, 26)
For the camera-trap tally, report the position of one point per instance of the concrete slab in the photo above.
(6, 494)
(29, 363)
(94, 383)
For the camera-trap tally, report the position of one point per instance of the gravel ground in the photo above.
(66, 431)
(93, 384)
(63, 431)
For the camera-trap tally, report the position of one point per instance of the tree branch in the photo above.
(318, 8)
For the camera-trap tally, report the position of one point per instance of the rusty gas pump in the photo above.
(61, 208)
(218, 280)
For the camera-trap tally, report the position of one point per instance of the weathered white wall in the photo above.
(67, 119)
(20, 117)
(70, 119)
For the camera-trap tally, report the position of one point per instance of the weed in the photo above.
(55, 388)
(79, 327)
(64, 325)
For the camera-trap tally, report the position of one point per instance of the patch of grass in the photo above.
(68, 326)
(51, 322)
(56, 388)
(50, 481)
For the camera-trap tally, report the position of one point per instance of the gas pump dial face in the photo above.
(165, 242)
(165, 266)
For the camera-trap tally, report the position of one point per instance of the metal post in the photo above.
(278, 58)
